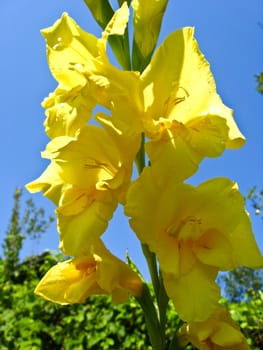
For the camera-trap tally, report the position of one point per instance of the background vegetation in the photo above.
(29, 323)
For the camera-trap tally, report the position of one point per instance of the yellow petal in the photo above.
(235, 138)
(210, 218)
(173, 152)
(148, 195)
(49, 182)
(65, 283)
(118, 22)
(178, 78)
(227, 336)
(195, 295)
(95, 272)
(67, 110)
(116, 26)
(222, 196)
(187, 259)
(127, 144)
(245, 249)
(208, 135)
(93, 157)
(178, 86)
(83, 219)
(218, 332)
(218, 203)
(69, 45)
(213, 249)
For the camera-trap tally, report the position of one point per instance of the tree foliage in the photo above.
(30, 322)
(241, 284)
(31, 224)
(255, 198)
(259, 78)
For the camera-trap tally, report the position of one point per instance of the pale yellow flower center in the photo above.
(187, 229)
(177, 97)
(87, 268)
(106, 168)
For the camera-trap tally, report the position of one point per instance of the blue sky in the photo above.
(229, 34)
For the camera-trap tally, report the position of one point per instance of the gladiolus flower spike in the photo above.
(166, 111)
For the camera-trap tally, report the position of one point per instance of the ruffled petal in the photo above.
(218, 332)
(67, 110)
(179, 87)
(83, 219)
(95, 272)
(69, 45)
(214, 249)
(50, 182)
(195, 295)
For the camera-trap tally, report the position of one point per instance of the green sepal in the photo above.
(132, 265)
(101, 11)
(139, 62)
(120, 2)
(120, 47)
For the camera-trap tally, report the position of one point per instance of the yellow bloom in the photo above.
(68, 45)
(88, 176)
(95, 272)
(67, 110)
(218, 332)
(49, 182)
(184, 118)
(78, 61)
(195, 232)
(147, 23)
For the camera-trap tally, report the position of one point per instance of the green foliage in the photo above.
(241, 284)
(244, 299)
(255, 197)
(249, 316)
(29, 322)
(259, 78)
(31, 224)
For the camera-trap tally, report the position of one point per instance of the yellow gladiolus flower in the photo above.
(67, 45)
(183, 117)
(218, 332)
(95, 272)
(78, 61)
(88, 175)
(67, 110)
(195, 232)
(50, 183)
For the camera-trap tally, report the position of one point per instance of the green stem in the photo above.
(150, 257)
(162, 306)
(140, 157)
(151, 318)
(152, 266)
(175, 345)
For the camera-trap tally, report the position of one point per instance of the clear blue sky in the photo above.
(230, 36)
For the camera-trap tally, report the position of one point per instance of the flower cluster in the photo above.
(90, 164)
(168, 108)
